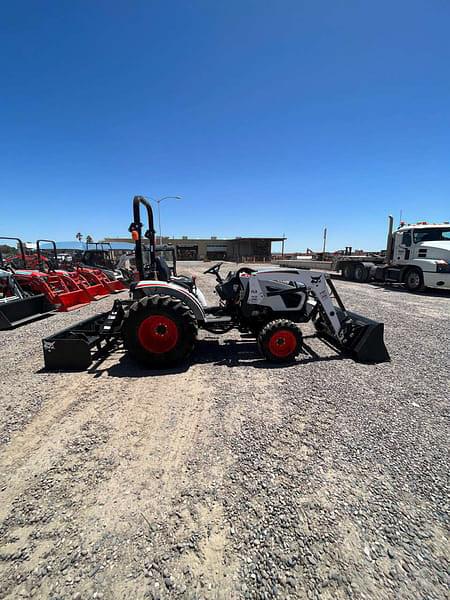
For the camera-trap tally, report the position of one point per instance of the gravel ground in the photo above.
(231, 478)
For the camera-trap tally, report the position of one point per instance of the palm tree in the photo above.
(79, 236)
(89, 240)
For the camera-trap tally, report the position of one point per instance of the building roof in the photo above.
(208, 239)
(74, 245)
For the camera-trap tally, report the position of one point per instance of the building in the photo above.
(237, 249)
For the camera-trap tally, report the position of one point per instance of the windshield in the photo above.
(431, 235)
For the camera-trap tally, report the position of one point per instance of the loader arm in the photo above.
(319, 286)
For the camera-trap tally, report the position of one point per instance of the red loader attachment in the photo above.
(115, 286)
(86, 281)
(98, 278)
(61, 291)
(85, 278)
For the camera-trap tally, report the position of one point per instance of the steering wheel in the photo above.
(245, 271)
(214, 270)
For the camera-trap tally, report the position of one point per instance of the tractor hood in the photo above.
(435, 250)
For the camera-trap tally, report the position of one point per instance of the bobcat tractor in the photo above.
(158, 325)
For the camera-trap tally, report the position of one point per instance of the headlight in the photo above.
(442, 266)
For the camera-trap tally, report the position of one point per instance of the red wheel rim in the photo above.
(158, 334)
(282, 343)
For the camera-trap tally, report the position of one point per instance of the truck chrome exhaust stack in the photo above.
(390, 240)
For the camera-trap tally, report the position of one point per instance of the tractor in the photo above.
(158, 325)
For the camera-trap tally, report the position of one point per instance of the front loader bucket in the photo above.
(366, 341)
(97, 291)
(23, 310)
(72, 300)
(116, 286)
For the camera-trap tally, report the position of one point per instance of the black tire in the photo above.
(280, 341)
(413, 280)
(361, 273)
(348, 272)
(159, 331)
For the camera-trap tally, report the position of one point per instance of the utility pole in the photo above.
(282, 247)
(324, 240)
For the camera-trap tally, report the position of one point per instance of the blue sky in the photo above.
(266, 116)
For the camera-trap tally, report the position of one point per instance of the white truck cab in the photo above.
(422, 251)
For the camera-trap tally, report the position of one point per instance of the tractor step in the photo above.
(212, 320)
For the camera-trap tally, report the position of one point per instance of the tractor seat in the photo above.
(162, 269)
(183, 280)
(164, 274)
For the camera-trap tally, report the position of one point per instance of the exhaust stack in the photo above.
(389, 243)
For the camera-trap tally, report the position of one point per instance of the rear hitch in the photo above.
(75, 348)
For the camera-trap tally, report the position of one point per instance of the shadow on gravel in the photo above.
(231, 353)
(428, 293)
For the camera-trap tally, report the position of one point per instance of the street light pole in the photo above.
(159, 222)
(158, 202)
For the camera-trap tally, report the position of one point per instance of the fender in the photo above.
(144, 288)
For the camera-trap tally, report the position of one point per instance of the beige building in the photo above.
(232, 249)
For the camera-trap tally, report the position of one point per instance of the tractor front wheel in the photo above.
(280, 341)
(159, 331)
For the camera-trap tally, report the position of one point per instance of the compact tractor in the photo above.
(158, 325)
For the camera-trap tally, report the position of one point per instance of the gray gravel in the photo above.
(232, 478)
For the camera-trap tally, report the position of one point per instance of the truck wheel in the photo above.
(347, 272)
(361, 273)
(159, 331)
(280, 341)
(413, 280)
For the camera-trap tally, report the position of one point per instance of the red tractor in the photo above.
(64, 292)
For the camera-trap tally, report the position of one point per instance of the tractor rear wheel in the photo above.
(280, 341)
(159, 331)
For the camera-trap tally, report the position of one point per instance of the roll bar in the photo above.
(136, 232)
(38, 252)
(21, 248)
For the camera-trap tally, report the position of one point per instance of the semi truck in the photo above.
(417, 256)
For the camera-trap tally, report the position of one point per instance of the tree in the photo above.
(89, 240)
(79, 236)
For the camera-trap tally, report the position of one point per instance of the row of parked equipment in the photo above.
(158, 324)
(36, 284)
